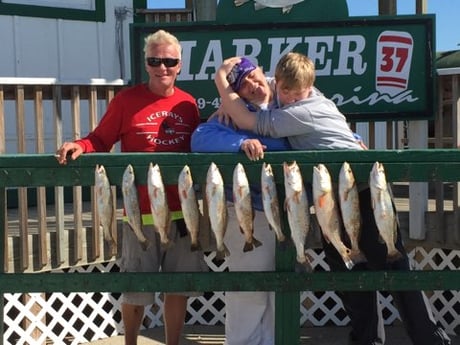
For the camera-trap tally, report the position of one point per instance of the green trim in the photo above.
(97, 15)
(139, 4)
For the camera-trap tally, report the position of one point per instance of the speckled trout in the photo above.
(104, 199)
(217, 208)
(270, 201)
(159, 204)
(349, 207)
(384, 212)
(189, 206)
(243, 207)
(131, 204)
(298, 212)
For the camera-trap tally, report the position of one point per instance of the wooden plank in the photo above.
(41, 193)
(3, 220)
(22, 192)
(77, 197)
(58, 191)
(95, 233)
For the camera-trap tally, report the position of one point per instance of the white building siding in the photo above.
(67, 50)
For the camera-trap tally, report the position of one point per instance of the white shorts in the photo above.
(250, 315)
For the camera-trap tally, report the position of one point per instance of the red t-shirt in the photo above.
(145, 122)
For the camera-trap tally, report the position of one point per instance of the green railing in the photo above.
(25, 170)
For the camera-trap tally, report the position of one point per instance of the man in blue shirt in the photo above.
(250, 316)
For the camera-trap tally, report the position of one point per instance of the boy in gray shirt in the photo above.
(310, 121)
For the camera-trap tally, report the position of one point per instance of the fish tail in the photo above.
(256, 242)
(357, 256)
(145, 244)
(394, 255)
(280, 236)
(222, 252)
(166, 244)
(248, 246)
(195, 246)
(303, 265)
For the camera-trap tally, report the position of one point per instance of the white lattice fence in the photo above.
(74, 318)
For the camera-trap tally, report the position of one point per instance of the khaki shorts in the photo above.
(177, 258)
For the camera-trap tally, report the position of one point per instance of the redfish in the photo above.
(327, 212)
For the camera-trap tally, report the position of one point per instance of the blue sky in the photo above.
(447, 16)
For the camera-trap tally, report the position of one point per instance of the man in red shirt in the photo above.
(152, 117)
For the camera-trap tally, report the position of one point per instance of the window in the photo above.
(169, 4)
(88, 10)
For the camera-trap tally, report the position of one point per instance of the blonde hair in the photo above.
(295, 71)
(162, 37)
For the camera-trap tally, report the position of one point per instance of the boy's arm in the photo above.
(232, 103)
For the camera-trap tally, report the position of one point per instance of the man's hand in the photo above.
(253, 148)
(68, 150)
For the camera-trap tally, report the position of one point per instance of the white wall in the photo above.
(64, 49)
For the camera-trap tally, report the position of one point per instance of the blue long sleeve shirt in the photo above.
(214, 136)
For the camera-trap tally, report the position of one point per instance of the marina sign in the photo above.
(372, 68)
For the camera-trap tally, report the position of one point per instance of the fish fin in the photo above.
(184, 194)
(256, 242)
(241, 230)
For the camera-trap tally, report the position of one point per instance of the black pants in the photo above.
(363, 307)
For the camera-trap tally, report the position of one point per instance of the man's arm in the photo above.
(233, 104)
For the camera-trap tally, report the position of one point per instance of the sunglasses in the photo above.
(156, 62)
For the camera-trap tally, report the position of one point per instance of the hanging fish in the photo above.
(159, 204)
(298, 212)
(349, 207)
(131, 204)
(189, 206)
(243, 207)
(384, 212)
(217, 207)
(104, 200)
(270, 201)
(327, 212)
